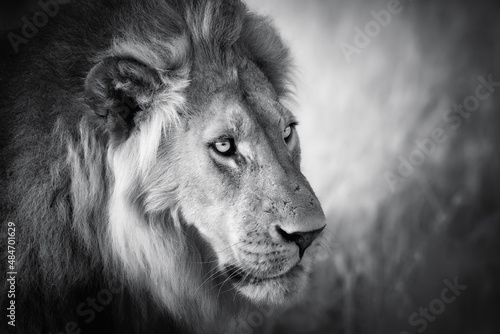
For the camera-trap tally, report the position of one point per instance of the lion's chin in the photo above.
(278, 290)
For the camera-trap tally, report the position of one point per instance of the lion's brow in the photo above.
(240, 120)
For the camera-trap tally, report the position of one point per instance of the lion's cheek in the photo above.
(208, 218)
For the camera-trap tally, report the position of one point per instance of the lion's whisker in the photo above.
(211, 276)
(234, 274)
(228, 248)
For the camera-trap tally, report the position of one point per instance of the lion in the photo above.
(151, 171)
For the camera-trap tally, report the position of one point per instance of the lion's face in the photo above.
(205, 148)
(242, 188)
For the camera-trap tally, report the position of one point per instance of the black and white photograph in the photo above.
(249, 167)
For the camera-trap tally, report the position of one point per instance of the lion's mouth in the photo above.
(240, 276)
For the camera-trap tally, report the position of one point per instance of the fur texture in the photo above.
(127, 218)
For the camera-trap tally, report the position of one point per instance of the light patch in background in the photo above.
(358, 118)
(353, 116)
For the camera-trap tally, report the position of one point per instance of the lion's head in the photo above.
(183, 163)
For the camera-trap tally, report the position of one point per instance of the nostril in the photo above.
(290, 237)
(301, 239)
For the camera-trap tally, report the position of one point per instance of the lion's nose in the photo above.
(301, 239)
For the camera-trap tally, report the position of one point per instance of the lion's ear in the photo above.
(119, 88)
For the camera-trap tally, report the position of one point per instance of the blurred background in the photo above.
(398, 104)
(408, 178)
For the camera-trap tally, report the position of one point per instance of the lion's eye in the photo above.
(225, 146)
(287, 132)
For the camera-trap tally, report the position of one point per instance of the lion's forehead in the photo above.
(240, 83)
(231, 114)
